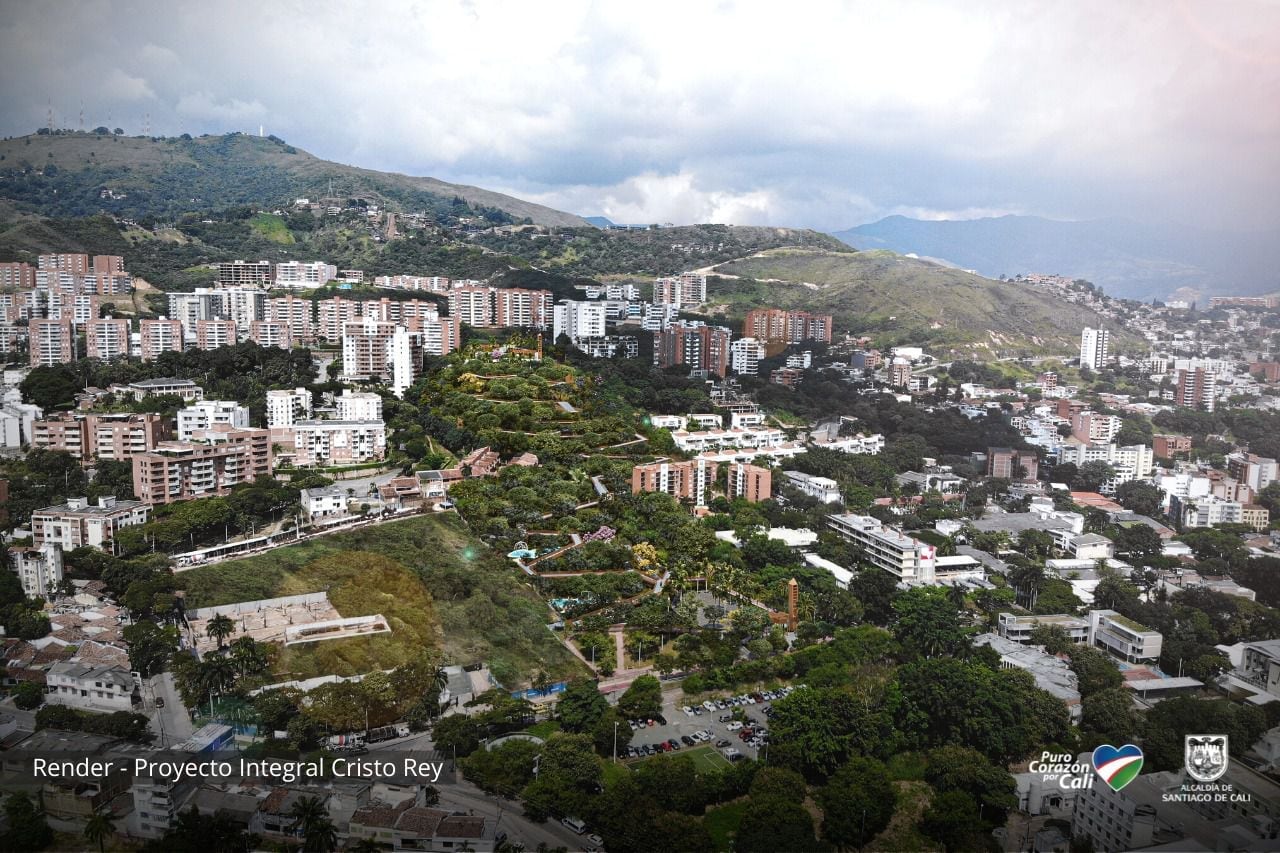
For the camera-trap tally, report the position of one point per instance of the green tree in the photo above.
(220, 627)
(1095, 671)
(815, 731)
(1141, 497)
(1054, 638)
(958, 768)
(928, 624)
(1110, 713)
(643, 699)
(581, 706)
(772, 824)
(857, 803)
(952, 820)
(311, 818)
(98, 828)
(150, 646)
(27, 828)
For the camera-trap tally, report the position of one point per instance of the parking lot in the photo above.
(711, 729)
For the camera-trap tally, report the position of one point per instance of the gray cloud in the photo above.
(823, 114)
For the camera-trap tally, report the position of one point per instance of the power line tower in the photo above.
(146, 125)
(82, 116)
(49, 116)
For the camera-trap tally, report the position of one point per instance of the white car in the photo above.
(734, 726)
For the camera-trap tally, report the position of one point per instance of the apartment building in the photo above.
(1123, 638)
(1094, 428)
(1009, 464)
(1169, 446)
(1205, 511)
(77, 522)
(242, 306)
(899, 373)
(144, 388)
(578, 320)
(693, 344)
(472, 305)
(681, 480)
(159, 336)
(285, 408)
(1095, 348)
(106, 339)
(39, 569)
(1195, 390)
(358, 406)
(907, 559)
(777, 326)
(50, 342)
(93, 437)
(76, 264)
(439, 336)
(294, 312)
(208, 414)
(245, 274)
(300, 274)
(434, 284)
(610, 346)
(212, 334)
(685, 289)
(366, 348)
(16, 275)
(745, 355)
(270, 333)
(1018, 628)
(333, 315)
(515, 307)
(211, 464)
(339, 442)
(1256, 472)
(190, 308)
(719, 438)
(1131, 462)
(753, 483)
(823, 488)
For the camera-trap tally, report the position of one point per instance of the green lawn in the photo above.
(722, 822)
(271, 227)
(426, 573)
(544, 729)
(707, 758)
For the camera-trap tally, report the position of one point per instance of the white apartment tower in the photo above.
(745, 355)
(1095, 346)
(285, 408)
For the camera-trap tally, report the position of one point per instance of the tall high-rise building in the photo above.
(578, 320)
(270, 333)
(777, 326)
(473, 305)
(50, 342)
(688, 288)
(1195, 389)
(752, 482)
(211, 334)
(745, 355)
(106, 338)
(1095, 348)
(517, 307)
(695, 344)
(160, 336)
(295, 312)
(245, 273)
(285, 408)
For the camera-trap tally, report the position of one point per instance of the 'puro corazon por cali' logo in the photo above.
(1117, 767)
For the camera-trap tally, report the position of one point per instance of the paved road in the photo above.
(172, 723)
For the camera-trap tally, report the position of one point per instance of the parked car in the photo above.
(686, 740)
(722, 743)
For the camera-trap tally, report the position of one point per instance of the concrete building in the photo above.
(1130, 462)
(78, 523)
(681, 290)
(245, 274)
(358, 406)
(907, 559)
(1256, 472)
(271, 333)
(323, 503)
(519, 308)
(1018, 628)
(1206, 511)
(294, 312)
(1095, 348)
(285, 408)
(440, 336)
(91, 437)
(106, 339)
(472, 305)
(1195, 390)
(90, 688)
(1169, 446)
(208, 414)
(367, 349)
(334, 314)
(213, 334)
(16, 275)
(899, 375)
(1094, 428)
(578, 320)
(215, 461)
(39, 569)
(823, 488)
(304, 275)
(339, 442)
(752, 482)
(777, 326)
(745, 355)
(50, 342)
(693, 344)
(160, 336)
(1123, 638)
(1009, 464)
(681, 480)
(188, 390)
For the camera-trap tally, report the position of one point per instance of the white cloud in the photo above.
(202, 105)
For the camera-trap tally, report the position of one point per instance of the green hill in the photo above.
(904, 300)
(81, 174)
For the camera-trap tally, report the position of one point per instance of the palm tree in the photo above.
(98, 828)
(217, 674)
(311, 821)
(249, 657)
(220, 627)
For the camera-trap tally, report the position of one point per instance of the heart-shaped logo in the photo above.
(1117, 767)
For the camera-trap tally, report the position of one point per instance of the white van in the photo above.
(575, 824)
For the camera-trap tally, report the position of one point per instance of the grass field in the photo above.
(426, 574)
(707, 758)
(722, 822)
(271, 227)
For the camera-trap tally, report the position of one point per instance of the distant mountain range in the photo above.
(1125, 258)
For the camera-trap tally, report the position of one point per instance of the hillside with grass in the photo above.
(438, 587)
(78, 174)
(902, 300)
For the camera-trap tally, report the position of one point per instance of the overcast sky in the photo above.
(810, 114)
